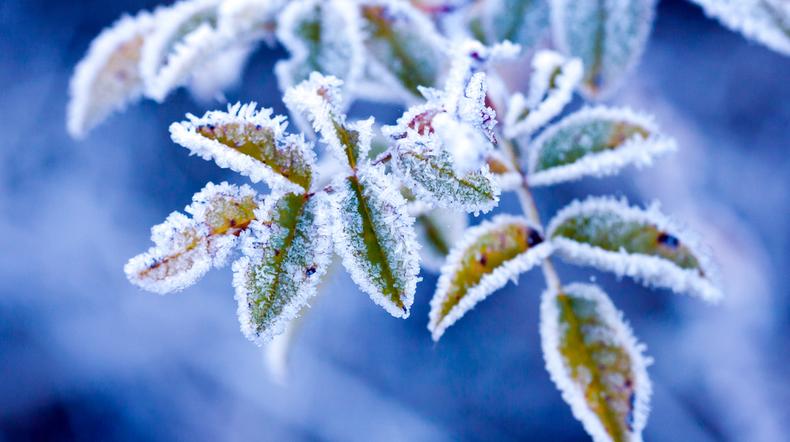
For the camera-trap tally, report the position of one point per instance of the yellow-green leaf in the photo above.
(488, 256)
(596, 362)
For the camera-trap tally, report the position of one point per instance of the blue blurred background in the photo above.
(86, 356)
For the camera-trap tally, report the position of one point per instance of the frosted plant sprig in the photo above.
(385, 198)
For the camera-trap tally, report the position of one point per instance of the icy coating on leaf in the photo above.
(437, 231)
(595, 142)
(524, 22)
(285, 256)
(489, 255)
(319, 99)
(322, 36)
(374, 234)
(595, 361)
(108, 77)
(553, 81)
(765, 21)
(643, 244)
(607, 35)
(250, 142)
(402, 44)
(186, 248)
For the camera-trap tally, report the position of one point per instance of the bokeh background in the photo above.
(86, 356)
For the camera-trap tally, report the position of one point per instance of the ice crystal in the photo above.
(644, 244)
(251, 142)
(596, 362)
(607, 35)
(595, 142)
(285, 255)
(374, 234)
(186, 248)
(488, 256)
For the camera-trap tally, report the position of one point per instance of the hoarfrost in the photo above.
(553, 80)
(375, 236)
(483, 261)
(286, 252)
(251, 142)
(107, 79)
(577, 349)
(186, 248)
(765, 21)
(663, 253)
(595, 142)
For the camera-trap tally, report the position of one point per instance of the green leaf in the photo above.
(595, 142)
(483, 261)
(437, 231)
(402, 44)
(595, 361)
(321, 36)
(643, 244)
(432, 175)
(608, 36)
(520, 21)
(286, 254)
(375, 236)
(250, 142)
(186, 248)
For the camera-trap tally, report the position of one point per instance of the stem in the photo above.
(531, 211)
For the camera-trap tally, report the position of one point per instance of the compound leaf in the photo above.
(485, 259)
(285, 255)
(595, 142)
(608, 234)
(186, 248)
(607, 35)
(765, 21)
(595, 361)
(108, 77)
(250, 142)
(374, 234)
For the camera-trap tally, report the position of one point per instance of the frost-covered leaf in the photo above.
(596, 362)
(375, 236)
(551, 88)
(765, 21)
(437, 231)
(250, 142)
(322, 36)
(320, 101)
(524, 22)
(186, 248)
(506, 177)
(431, 174)
(224, 71)
(607, 35)
(402, 44)
(108, 78)
(185, 36)
(488, 256)
(250, 20)
(285, 255)
(643, 244)
(595, 142)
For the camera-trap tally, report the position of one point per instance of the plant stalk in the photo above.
(530, 209)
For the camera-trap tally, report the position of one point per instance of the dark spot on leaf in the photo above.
(483, 260)
(310, 271)
(233, 223)
(276, 252)
(668, 240)
(534, 238)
